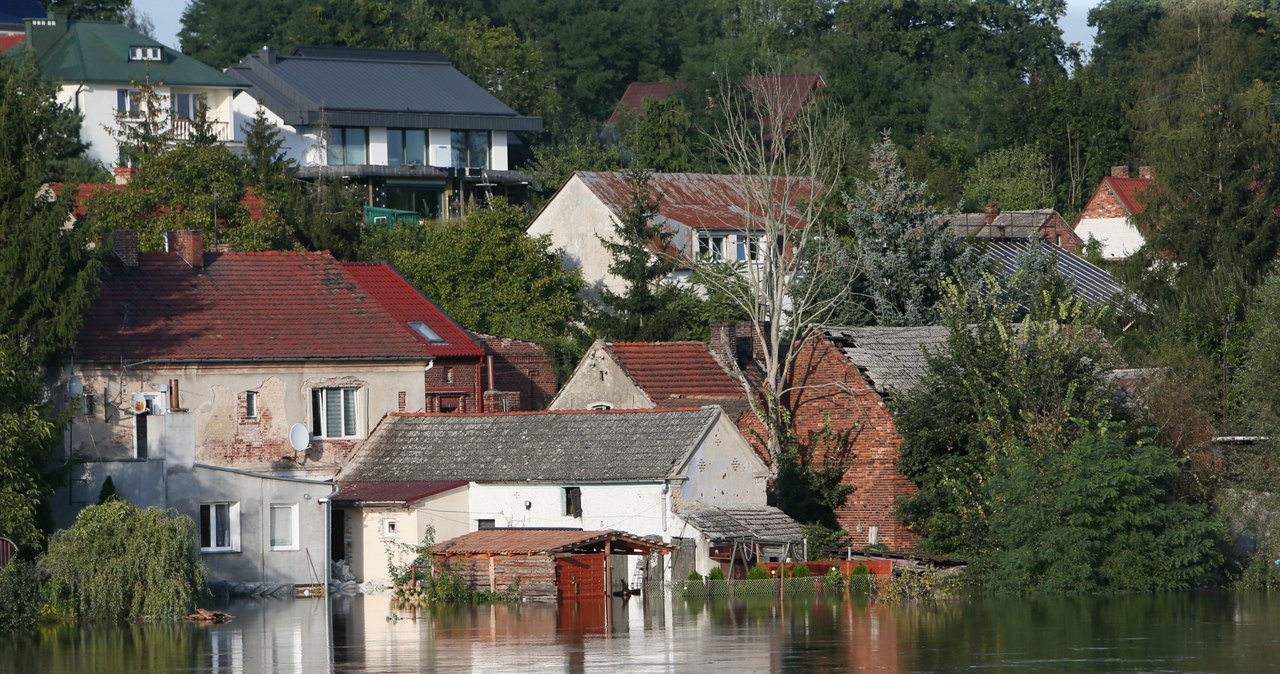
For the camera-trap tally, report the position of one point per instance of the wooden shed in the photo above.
(551, 564)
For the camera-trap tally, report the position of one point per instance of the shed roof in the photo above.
(1088, 281)
(401, 493)
(407, 306)
(894, 359)
(544, 541)
(562, 446)
(98, 51)
(374, 87)
(759, 523)
(270, 306)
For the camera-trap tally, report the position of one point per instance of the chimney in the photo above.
(267, 55)
(992, 212)
(43, 33)
(1146, 172)
(189, 245)
(124, 243)
(123, 174)
(1119, 171)
(731, 343)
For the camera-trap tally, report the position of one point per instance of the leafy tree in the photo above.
(586, 147)
(30, 434)
(120, 562)
(267, 167)
(1017, 179)
(328, 212)
(658, 137)
(485, 272)
(221, 32)
(96, 10)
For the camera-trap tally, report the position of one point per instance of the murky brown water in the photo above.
(1192, 632)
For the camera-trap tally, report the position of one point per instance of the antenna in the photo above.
(299, 438)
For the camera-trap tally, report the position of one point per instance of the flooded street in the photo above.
(1190, 632)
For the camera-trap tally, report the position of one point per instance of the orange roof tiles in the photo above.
(680, 370)
(534, 541)
(406, 304)
(1128, 190)
(241, 306)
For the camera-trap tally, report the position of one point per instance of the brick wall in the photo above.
(518, 367)
(826, 385)
(453, 381)
(1056, 230)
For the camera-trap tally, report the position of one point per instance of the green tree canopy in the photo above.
(1015, 179)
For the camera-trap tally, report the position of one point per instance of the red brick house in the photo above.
(1108, 215)
(518, 374)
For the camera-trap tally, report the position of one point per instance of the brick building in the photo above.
(1108, 216)
(517, 374)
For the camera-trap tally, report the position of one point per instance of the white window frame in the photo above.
(233, 526)
(746, 247)
(319, 406)
(711, 246)
(251, 404)
(390, 529)
(129, 103)
(292, 509)
(145, 53)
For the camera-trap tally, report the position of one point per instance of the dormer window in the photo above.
(426, 332)
(146, 53)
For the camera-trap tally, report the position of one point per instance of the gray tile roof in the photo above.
(892, 358)
(583, 446)
(758, 523)
(1088, 282)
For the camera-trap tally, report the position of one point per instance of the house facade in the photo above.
(632, 470)
(98, 66)
(994, 224)
(379, 521)
(1108, 216)
(418, 135)
(648, 375)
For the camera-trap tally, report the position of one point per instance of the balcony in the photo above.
(183, 129)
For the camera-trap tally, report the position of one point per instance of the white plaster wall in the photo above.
(445, 512)
(296, 145)
(724, 470)
(636, 508)
(575, 219)
(1118, 236)
(598, 380)
(378, 145)
(498, 160)
(439, 151)
(97, 102)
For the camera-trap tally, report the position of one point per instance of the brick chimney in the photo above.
(188, 244)
(1146, 172)
(731, 343)
(992, 212)
(124, 244)
(123, 174)
(1119, 171)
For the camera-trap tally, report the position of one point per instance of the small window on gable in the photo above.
(485, 524)
(145, 53)
(251, 404)
(426, 332)
(573, 501)
(390, 529)
(602, 406)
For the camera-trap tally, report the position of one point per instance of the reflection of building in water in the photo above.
(271, 636)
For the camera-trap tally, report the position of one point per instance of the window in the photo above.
(220, 527)
(747, 247)
(448, 375)
(602, 406)
(284, 526)
(470, 148)
(486, 524)
(251, 404)
(406, 146)
(333, 412)
(710, 246)
(140, 435)
(348, 145)
(450, 404)
(427, 333)
(573, 501)
(145, 53)
(185, 106)
(390, 529)
(128, 103)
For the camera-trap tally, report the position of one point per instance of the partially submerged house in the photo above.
(378, 521)
(417, 135)
(547, 564)
(611, 469)
(743, 537)
(1109, 214)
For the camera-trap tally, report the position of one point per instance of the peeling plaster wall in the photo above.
(216, 395)
(599, 380)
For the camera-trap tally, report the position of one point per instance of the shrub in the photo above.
(420, 581)
(860, 579)
(695, 577)
(716, 573)
(120, 562)
(834, 580)
(758, 573)
(19, 596)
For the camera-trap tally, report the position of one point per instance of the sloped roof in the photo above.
(373, 87)
(406, 305)
(892, 358)
(1128, 191)
(699, 200)
(675, 370)
(791, 92)
(240, 307)
(8, 42)
(542, 541)
(98, 51)
(402, 493)
(579, 446)
(633, 97)
(759, 523)
(1088, 281)
(1006, 224)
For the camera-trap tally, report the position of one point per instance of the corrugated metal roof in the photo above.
(404, 492)
(406, 305)
(762, 523)
(577, 446)
(541, 542)
(1088, 281)
(894, 359)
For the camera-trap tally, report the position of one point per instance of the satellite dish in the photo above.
(299, 438)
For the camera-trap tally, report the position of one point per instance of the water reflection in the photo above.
(1183, 632)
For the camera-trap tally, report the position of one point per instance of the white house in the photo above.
(638, 471)
(1108, 216)
(405, 124)
(98, 66)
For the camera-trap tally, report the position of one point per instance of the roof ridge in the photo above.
(519, 413)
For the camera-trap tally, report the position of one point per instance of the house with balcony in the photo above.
(99, 66)
(415, 133)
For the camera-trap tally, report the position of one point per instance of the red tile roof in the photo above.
(404, 493)
(8, 42)
(251, 202)
(536, 541)
(633, 97)
(240, 307)
(790, 93)
(406, 304)
(1127, 190)
(668, 371)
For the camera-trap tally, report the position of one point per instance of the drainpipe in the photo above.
(480, 385)
(328, 536)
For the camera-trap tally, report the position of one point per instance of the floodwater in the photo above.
(1188, 632)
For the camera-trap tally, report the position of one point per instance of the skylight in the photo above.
(429, 334)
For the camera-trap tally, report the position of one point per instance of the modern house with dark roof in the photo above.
(98, 64)
(1108, 215)
(13, 15)
(632, 470)
(284, 360)
(418, 135)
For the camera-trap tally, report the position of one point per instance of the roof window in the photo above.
(145, 53)
(427, 333)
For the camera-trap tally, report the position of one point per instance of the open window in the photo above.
(333, 412)
(573, 501)
(220, 527)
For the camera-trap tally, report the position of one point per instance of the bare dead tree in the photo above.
(785, 152)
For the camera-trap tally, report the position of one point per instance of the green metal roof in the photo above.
(98, 51)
